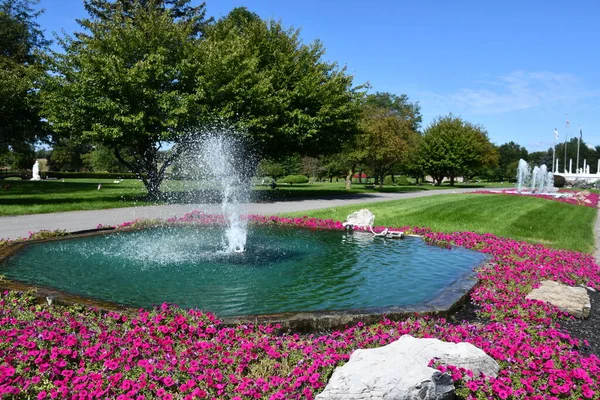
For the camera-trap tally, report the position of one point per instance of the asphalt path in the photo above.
(19, 226)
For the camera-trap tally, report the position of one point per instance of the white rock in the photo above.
(570, 299)
(399, 371)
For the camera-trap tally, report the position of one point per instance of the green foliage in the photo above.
(88, 175)
(399, 105)
(67, 156)
(291, 179)
(386, 139)
(453, 147)
(261, 77)
(20, 70)
(102, 159)
(21, 156)
(129, 81)
(509, 155)
(585, 153)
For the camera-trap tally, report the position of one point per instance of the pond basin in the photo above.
(284, 271)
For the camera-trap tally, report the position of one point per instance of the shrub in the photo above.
(400, 180)
(559, 181)
(291, 179)
(88, 175)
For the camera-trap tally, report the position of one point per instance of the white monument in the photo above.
(36, 172)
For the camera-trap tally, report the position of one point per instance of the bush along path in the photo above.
(167, 353)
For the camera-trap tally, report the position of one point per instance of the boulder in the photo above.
(570, 299)
(400, 371)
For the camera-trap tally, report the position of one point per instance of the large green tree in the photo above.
(453, 147)
(21, 42)
(399, 105)
(145, 73)
(128, 82)
(386, 139)
(277, 90)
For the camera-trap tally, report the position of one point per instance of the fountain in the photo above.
(539, 181)
(210, 266)
(523, 175)
(35, 172)
(216, 160)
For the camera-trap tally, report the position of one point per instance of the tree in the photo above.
(385, 140)
(399, 105)
(21, 40)
(102, 159)
(129, 82)
(585, 153)
(453, 147)
(509, 155)
(68, 156)
(275, 89)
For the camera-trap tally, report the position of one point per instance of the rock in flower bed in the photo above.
(582, 198)
(166, 353)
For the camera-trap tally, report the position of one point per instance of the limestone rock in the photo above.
(570, 299)
(399, 371)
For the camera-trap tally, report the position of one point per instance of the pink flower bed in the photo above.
(583, 198)
(166, 353)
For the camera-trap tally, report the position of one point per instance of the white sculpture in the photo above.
(365, 219)
(35, 172)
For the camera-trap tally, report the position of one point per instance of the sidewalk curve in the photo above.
(13, 227)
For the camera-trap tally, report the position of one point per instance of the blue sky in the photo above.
(515, 67)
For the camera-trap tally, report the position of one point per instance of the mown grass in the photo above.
(27, 197)
(534, 220)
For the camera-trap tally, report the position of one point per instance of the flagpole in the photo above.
(578, 143)
(567, 124)
(554, 169)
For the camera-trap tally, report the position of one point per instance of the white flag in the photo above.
(555, 134)
(567, 122)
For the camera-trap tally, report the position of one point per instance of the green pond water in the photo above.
(283, 269)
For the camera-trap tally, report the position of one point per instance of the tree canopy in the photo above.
(146, 73)
(386, 139)
(128, 82)
(453, 147)
(399, 105)
(21, 42)
(274, 88)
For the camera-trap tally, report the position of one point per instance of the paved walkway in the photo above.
(20, 226)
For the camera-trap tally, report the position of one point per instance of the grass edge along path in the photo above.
(534, 220)
(30, 197)
(57, 352)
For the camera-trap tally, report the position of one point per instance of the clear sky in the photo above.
(515, 67)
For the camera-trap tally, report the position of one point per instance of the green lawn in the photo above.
(530, 219)
(27, 197)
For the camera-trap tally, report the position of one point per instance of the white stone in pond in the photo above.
(399, 371)
(362, 218)
(570, 299)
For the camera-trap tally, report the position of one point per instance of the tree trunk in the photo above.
(451, 180)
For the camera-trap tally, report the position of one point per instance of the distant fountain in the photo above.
(538, 181)
(522, 175)
(36, 172)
